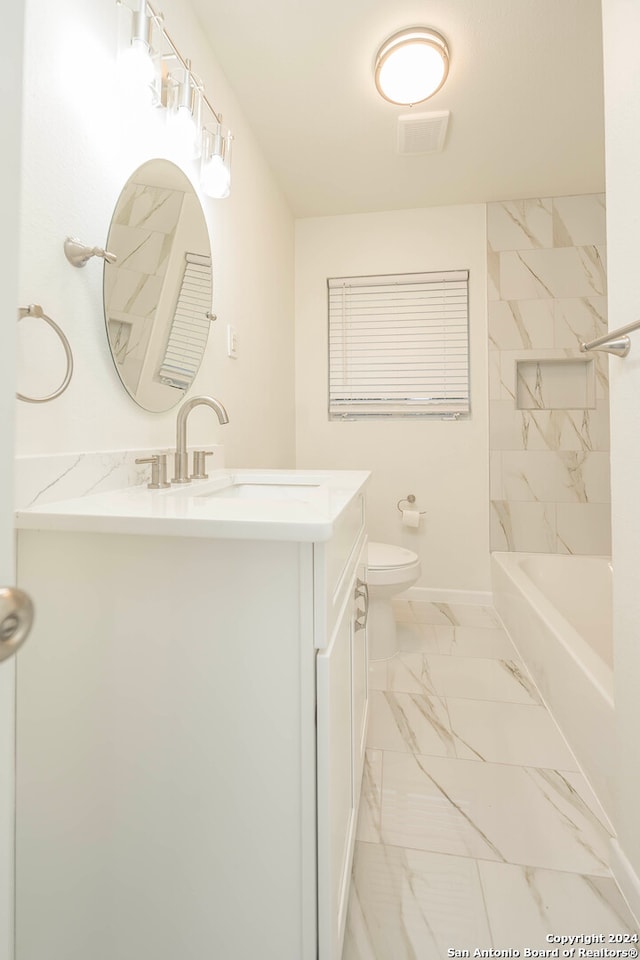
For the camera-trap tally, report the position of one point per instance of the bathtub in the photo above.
(557, 609)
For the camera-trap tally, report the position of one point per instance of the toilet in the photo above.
(391, 570)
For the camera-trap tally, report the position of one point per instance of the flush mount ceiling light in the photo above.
(411, 65)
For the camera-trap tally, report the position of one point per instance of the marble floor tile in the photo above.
(526, 903)
(492, 643)
(411, 673)
(402, 611)
(490, 811)
(409, 723)
(412, 905)
(475, 678)
(517, 733)
(454, 614)
(369, 812)
(419, 637)
(475, 827)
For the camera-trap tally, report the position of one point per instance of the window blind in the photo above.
(190, 326)
(399, 345)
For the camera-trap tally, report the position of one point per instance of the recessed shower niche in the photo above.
(555, 384)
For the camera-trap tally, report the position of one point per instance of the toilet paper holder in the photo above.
(410, 498)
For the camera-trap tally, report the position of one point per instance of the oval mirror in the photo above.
(157, 295)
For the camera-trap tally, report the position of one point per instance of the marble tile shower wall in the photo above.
(549, 404)
(144, 228)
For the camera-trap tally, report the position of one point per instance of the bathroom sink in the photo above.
(263, 491)
(243, 504)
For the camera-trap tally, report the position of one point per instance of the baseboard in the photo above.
(483, 598)
(626, 878)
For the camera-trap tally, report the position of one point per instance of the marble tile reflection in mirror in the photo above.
(158, 294)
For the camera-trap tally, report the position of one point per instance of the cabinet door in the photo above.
(359, 671)
(336, 800)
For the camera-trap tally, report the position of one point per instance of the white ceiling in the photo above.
(524, 91)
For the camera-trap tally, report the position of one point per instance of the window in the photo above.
(399, 345)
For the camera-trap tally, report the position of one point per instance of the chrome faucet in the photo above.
(181, 456)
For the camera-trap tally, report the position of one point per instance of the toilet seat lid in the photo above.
(385, 555)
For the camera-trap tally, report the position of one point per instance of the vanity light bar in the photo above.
(184, 62)
(214, 147)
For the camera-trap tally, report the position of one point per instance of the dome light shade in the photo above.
(411, 66)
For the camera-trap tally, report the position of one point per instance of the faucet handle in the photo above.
(199, 465)
(158, 470)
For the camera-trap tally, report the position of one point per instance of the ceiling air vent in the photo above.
(422, 132)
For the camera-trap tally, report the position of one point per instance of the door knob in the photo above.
(16, 617)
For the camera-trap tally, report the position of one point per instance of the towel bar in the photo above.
(616, 342)
(35, 310)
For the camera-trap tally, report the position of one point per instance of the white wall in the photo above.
(444, 463)
(621, 23)
(10, 92)
(81, 143)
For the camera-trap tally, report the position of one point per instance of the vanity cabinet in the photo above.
(341, 729)
(191, 723)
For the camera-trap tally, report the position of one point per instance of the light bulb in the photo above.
(137, 71)
(184, 102)
(215, 169)
(186, 131)
(216, 177)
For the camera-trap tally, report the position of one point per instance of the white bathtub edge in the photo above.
(434, 595)
(626, 878)
(552, 651)
(554, 620)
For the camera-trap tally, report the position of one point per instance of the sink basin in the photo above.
(264, 491)
(244, 504)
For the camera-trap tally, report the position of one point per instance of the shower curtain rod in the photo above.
(615, 342)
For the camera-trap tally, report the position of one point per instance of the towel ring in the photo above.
(34, 310)
(411, 500)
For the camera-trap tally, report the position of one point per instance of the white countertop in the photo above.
(305, 509)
